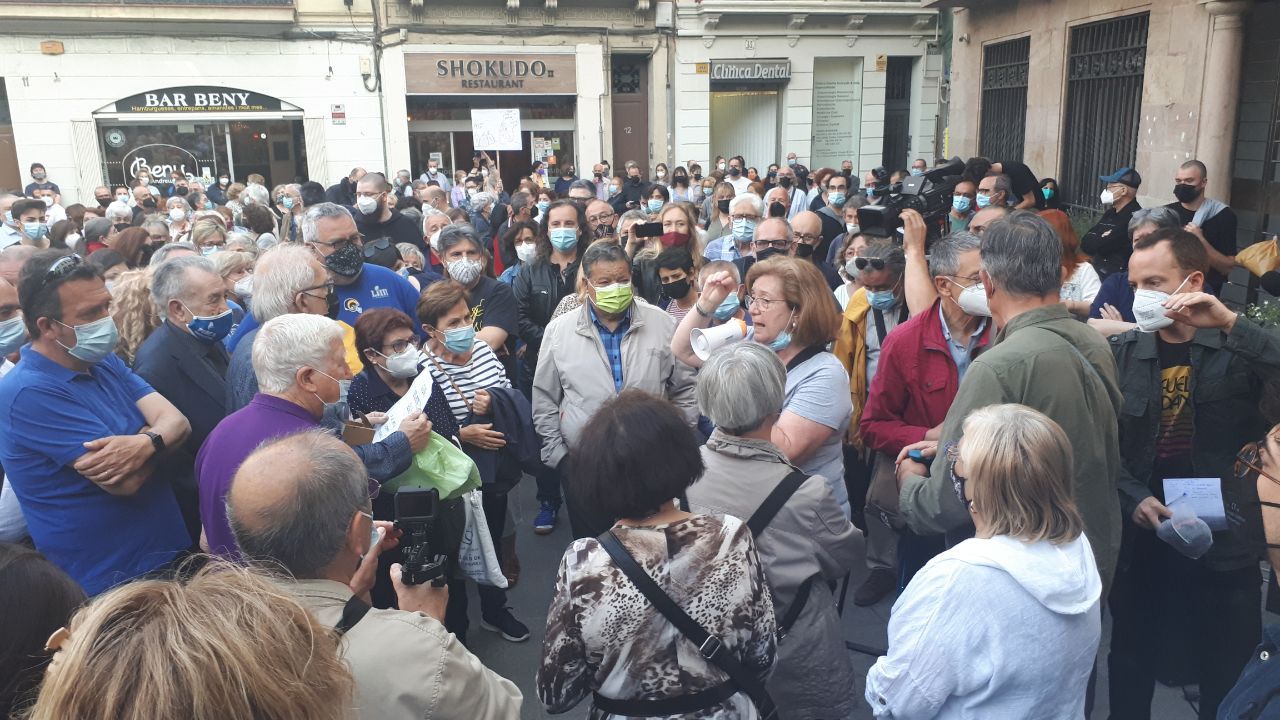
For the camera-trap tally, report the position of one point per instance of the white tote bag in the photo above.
(476, 556)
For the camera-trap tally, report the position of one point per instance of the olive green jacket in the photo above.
(1038, 360)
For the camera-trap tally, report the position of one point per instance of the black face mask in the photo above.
(1186, 193)
(676, 289)
(347, 262)
(768, 253)
(149, 203)
(697, 176)
(846, 173)
(734, 170)
(603, 230)
(777, 209)
(105, 201)
(181, 190)
(723, 206)
(785, 181)
(804, 250)
(120, 227)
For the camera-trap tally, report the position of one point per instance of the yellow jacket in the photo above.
(851, 349)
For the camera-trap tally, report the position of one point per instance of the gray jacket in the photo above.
(406, 665)
(574, 378)
(810, 535)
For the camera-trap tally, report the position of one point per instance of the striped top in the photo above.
(483, 372)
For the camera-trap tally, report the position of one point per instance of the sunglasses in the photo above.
(61, 268)
(862, 263)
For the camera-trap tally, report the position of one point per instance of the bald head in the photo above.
(807, 223)
(295, 503)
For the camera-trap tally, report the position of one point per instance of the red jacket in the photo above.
(915, 382)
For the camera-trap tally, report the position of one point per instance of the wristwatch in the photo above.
(698, 306)
(157, 442)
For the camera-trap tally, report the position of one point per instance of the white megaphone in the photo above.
(708, 340)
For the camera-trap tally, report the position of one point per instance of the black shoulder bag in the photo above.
(710, 647)
(352, 613)
(760, 520)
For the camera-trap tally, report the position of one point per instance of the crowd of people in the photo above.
(215, 400)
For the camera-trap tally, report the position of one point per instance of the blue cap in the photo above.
(1124, 176)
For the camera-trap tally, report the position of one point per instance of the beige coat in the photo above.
(574, 379)
(810, 535)
(407, 665)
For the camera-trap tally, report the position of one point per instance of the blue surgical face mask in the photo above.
(835, 199)
(543, 205)
(13, 335)
(960, 203)
(744, 227)
(35, 230)
(984, 201)
(459, 340)
(881, 299)
(563, 239)
(781, 342)
(1047, 192)
(211, 328)
(654, 205)
(286, 202)
(707, 191)
(208, 250)
(728, 308)
(94, 340)
(917, 172)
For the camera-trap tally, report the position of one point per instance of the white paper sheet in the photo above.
(413, 401)
(1203, 495)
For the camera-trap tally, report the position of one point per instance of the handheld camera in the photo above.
(417, 513)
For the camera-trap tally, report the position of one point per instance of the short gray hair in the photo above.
(315, 214)
(1161, 217)
(741, 386)
(581, 184)
(483, 200)
(944, 256)
(894, 260)
(601, 252)
(1023, 255)
(791, 236)
(255, 194)
(1002, 184)
(410, 251)
(170, 279)
(286, 344)
(750, 198)
(304, 534)
(281, 273)
(456, 234)
(118, 212)
(163, 252)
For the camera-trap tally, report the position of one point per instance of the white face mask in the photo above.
(435, 240)
(1107, 197)
(403, 364)
(244, 286)
(851, 228)
(177, 214)
(1148, 308)
(526, 252)
(973, 300)
(366, 205)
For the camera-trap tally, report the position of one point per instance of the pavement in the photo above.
(540, 559)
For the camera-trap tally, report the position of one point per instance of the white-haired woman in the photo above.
(1005, 624)
(807, 544)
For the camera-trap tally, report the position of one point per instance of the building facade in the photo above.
(830, 81)
(1079, 88)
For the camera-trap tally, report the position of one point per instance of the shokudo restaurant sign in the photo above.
(198, 99)
(454, 74)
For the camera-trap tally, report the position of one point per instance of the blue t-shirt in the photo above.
(97, 538)
(377, 287)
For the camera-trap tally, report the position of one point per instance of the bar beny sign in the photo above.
(760, 71)
(197, 99)
(452, 74)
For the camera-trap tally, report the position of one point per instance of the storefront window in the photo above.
(274, 149)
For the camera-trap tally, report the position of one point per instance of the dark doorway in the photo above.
(630, 103)
(1106, 62)
(1004, 99)
(897, 113)
(1255, 185)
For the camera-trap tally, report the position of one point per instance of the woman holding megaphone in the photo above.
(792, 313)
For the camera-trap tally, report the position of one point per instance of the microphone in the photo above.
(1270, 282)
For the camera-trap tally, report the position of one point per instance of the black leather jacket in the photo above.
(539, 288)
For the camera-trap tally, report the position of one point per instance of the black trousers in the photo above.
(492, 599)
(1175, 619)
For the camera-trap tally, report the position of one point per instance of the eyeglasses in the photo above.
(744, 217)
(61, 268)
(1248, 460)
(400, 346)
(339, 244)
(862, 263)
(602, 218)
(958, 481)
(764, 303)
(782, 244)
(808, 238)
(328, 290)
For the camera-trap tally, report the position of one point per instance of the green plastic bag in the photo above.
(440, 465)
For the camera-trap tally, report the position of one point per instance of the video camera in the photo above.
(417, 513)
(928, 194)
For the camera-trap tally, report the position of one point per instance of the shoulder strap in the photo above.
(802, 356)
(352, 613)
(454, 385)
(764, 514)
(708, 645)
(880, 329)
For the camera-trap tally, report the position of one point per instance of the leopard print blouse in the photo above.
(604, 636)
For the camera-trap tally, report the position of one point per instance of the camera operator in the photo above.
(301, 504)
